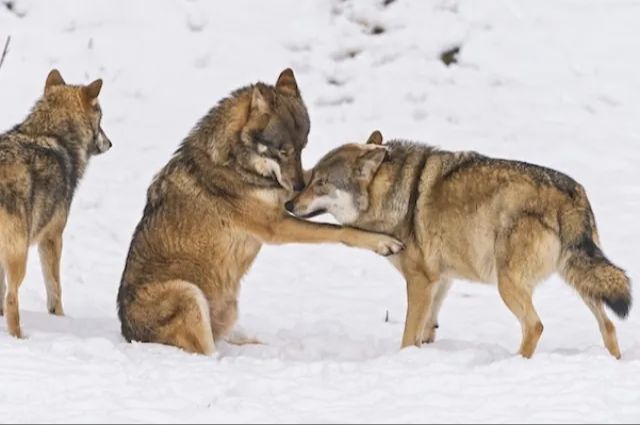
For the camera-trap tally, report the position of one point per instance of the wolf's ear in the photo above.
(375, 138)
(369, 162)
(286, 83)
(93, 90)
(54, 79)
(307, 174)
(258, 100)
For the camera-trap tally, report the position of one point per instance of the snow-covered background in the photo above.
(554, 82)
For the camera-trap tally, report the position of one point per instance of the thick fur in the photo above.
(211, 208)
(41, 162)
(464, 215)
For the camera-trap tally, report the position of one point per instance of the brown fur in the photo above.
(41, 162)
(211, 208)
(463, 215)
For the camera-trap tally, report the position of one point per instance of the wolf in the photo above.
(209, 210)
(465, 215)
(41, 162)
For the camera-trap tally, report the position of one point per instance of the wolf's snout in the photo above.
(289, 206)
(103, 143)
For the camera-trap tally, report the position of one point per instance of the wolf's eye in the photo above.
(285, 152)
(321, 182)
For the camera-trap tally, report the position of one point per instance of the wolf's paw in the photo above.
(429, 335)
(240, 338)
(243, 341)
(16, 333)
(56, 310)
(388, 246)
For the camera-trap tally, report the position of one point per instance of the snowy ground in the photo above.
(548, 81)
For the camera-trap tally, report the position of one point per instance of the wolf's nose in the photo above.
(289, 206)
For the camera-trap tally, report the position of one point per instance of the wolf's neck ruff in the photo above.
(64, 137)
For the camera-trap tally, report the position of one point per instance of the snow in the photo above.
(553, 82)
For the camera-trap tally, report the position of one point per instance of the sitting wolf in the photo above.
(210, 209)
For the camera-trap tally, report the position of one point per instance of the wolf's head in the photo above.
(71, 112)
(275, 132)
(340, 181)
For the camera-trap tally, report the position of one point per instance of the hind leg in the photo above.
(607, 329)
(429, 334)
(15, 266)
(172, 313)
(518, 298)
(526, 253)
(50, 249)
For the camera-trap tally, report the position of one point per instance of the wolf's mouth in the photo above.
(314, 213)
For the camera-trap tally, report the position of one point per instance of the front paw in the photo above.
(16, 332)
(387, 245)
(56, 309)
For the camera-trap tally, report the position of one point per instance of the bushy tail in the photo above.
(584, 265)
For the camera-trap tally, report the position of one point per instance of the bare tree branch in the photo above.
(5, 51)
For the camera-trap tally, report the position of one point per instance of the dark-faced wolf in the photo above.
(211, 208)
(464, 215)
(41, 163)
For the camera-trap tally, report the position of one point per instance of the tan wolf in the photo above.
(211, 208)
(41, 163)
(464, 215)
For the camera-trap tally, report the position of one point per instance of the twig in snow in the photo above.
(5, 51)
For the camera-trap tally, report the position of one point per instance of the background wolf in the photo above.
(208, 212)
(41, 163)
(464, 215)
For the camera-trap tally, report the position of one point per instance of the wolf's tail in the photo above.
(584, 265)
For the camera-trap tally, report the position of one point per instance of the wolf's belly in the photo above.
(470, 255)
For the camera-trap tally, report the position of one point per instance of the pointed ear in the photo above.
(286, 83)
(93, 90)
(258, 100)
(307, 174)
(54, 79)
(369, 163)
(375, 138)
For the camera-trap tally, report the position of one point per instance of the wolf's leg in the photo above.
(224, 316)
(16, 265)
(518, 298)
(50, 249)
(526, 253)
(173, 313)
(289, 229)
(419, 302)
(429, 334)
(607, 329)
(3, 290)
